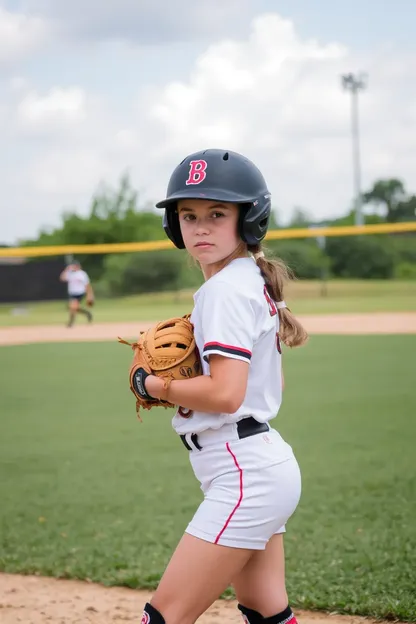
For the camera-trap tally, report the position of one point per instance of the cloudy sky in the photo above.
(92, 89)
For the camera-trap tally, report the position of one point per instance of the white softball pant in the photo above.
(251, 487)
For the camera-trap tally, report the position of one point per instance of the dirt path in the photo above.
(371, 323)
(37, 600)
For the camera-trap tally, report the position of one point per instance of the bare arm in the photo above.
(221, 391)
(64, 275)
(90, 292)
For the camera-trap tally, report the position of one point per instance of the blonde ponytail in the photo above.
(276, 274)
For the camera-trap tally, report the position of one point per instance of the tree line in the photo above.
(116, 215)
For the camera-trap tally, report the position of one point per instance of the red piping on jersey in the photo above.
(240, 470)
(221, 344)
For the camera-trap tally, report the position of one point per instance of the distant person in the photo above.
(79, 286)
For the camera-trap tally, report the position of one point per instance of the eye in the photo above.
(217, 214)
(188, 217)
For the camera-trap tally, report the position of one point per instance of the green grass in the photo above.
(304, 297)
(88, 492)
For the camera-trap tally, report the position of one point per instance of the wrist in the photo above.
(154, 386)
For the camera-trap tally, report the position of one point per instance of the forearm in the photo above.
(200, 394)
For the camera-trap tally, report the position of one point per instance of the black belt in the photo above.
(245, 428)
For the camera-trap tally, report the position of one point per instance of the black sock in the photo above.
(284, 617)
(71, 319)
(250, 616)
(151, 615)
(254, 617)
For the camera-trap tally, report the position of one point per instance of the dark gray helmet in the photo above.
(219, 175)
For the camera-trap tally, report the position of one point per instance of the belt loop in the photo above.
(194, 438)
(185, 441)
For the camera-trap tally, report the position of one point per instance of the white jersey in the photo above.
(235, 317)
(77, 282)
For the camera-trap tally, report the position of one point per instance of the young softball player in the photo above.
(79, 286)
(217, 207)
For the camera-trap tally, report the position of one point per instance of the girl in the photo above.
(218, 208)
(79, 285)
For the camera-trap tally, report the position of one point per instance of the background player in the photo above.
(218, 208)
(79, 286)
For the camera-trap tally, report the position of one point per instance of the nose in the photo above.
(202, 226)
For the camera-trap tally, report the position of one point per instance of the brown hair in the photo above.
(276, 274)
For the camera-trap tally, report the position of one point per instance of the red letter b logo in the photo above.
(197, 171)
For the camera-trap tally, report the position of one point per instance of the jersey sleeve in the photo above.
(228, 323)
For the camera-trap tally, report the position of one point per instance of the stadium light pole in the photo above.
(354, 84)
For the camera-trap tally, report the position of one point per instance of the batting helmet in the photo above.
(219, 175)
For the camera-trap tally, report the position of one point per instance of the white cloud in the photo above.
(274, 96)
(278, 99)
(60, 105)
(20, 34)
(271, 80)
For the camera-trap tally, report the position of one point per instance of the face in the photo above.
(209, 229)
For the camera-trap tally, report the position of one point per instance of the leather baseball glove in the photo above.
(167, 350)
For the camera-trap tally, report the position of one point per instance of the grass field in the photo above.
(88, 492)
(304, 297)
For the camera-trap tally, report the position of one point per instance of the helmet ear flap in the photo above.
(253, 220)
(243, 210)
(172, 227)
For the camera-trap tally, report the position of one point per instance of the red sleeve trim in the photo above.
(219, 347)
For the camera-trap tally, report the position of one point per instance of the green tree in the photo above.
(303, 257)
(406, 210)
(388, 194)
(132, 273)
(114, 217)
(362, 257)
(349, 219)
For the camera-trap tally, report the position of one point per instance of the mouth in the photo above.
(204, 245)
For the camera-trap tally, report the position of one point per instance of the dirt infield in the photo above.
(37, 600)
(34, 600)
(374, 323)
